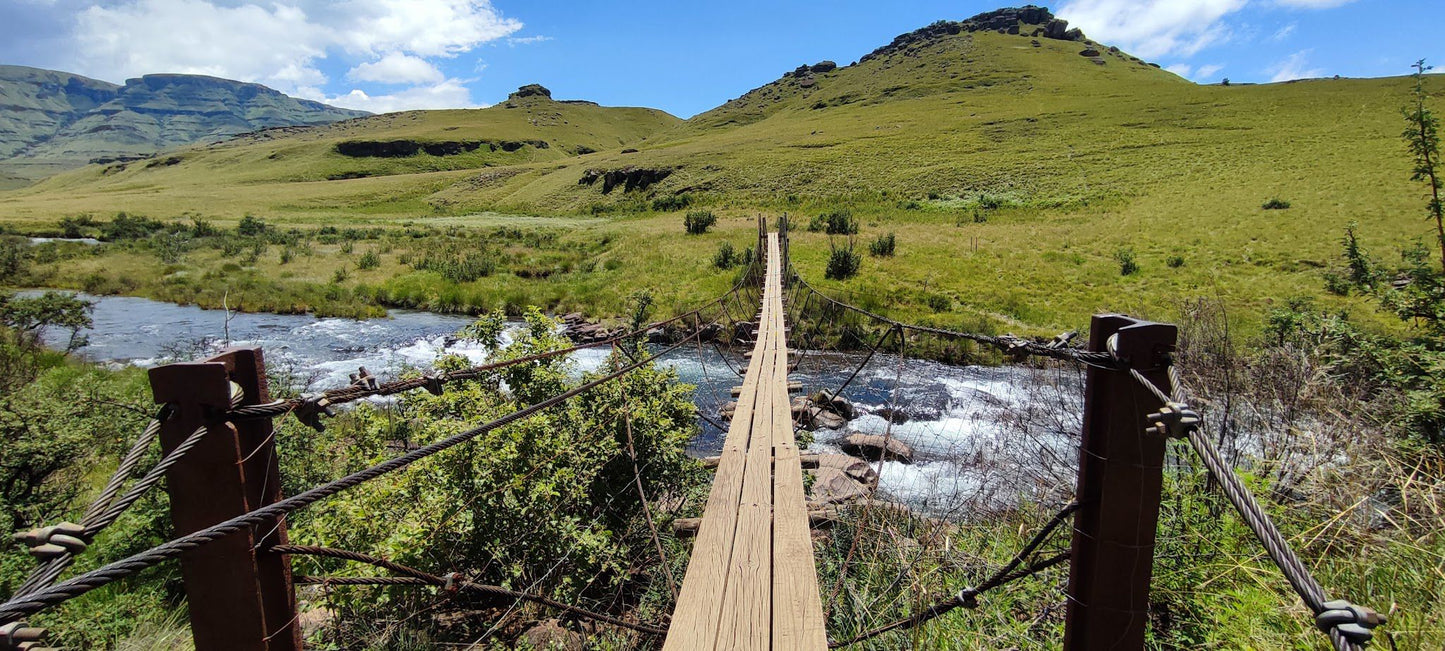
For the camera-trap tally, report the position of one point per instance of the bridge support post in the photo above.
(1119, 486)
(239, 598)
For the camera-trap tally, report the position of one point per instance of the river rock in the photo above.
(893, 415)
(833, 486)
(727, 410)
(550, 636)
(873, 447)
(837, 404)
(818, 418)
(854, 467)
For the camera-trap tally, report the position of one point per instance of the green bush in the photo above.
(1276, 204)
(836, 222)
(671, 203)
(369, 260)
(725, 257)
(1127, 265)
(250, 226)
(843, 263)
(1175, 261)
(126, 227)
(883, 246)
(456, 267)
(698, 221)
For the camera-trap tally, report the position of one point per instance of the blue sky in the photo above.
(682, 57)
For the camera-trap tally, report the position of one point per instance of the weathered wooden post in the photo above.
(239, 598)
(1119, 485)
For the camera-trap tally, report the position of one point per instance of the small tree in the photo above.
(1127, 265)
(843, 263)
(698, 221)
(1423, 138)
(725, 257)
(250, 226)
(883, 246)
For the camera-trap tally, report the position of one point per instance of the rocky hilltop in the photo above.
(1028, 20)
(51, 121)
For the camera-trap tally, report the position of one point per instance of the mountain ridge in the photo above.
(52, 120)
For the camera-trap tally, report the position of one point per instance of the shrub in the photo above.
(341, 275)
(463, 268)
(725, 257)
(1127, 265)
(1276, 204)
(698, 221)
(126, 227)
(843, 263)
(250, 226)
(75, 227)
(1175, 261)
(369, 260)
(671, 203)
(883, 246)
(837, 222)
(347, 247)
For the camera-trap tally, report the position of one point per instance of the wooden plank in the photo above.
(747, 603)
(696, 616)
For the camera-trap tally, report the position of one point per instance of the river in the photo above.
(981, 435)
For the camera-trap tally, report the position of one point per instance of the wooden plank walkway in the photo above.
(751, 583)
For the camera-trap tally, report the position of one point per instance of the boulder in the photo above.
(1089, 52)
(833, 486)
(1056, 29)
(837, 404)
(823, 419)
(548, 635)
(824, 66)
(874, 447)
(1074, 34)
(854, 467)
(727, 410)
(892, 414)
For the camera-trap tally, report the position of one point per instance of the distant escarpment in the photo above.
(51, 121)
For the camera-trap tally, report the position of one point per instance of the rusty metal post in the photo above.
(1120, 481)
(239, 598)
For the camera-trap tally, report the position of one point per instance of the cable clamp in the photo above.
(968, 597)
(64, 539)
(1174, 420)
(453, 582)
(21, 637)
(310, 410)
(435, 383)
(365, 380)
(1356, 623)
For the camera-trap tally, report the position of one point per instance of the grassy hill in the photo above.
(1016, 171)
(52, 121)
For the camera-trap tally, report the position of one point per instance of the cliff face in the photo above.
(51, 121)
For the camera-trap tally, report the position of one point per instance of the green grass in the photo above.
(1011, 175)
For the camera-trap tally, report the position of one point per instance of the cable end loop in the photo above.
(1356, 623)
(64, 539)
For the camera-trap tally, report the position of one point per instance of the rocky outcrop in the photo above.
(873, 447)
(577, 328)
(1028, 20)
(531, 90)
(406, 148)
(629, 178)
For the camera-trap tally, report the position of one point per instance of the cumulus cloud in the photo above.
(1294, 66)
(397, 68)
(1156, 28)
(1153, 28)
(449, 93)
(282, 44)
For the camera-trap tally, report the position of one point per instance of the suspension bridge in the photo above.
(751, 580)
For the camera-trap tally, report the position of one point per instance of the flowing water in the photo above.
(981, 435)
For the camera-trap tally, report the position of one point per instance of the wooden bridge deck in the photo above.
(751, 583)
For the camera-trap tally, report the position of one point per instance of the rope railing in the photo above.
(1349, 626)
(1018, 347)
(451, 582)
(23, 605)
(968, 597)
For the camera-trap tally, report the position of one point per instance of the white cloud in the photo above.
(283, 43)
(1207, 73)
(1153, 28)
(449, 93)
(1284, 32)
(1156, 28)
(1294, 66)
(397, 68)
(527, 40)
(1181, 69)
